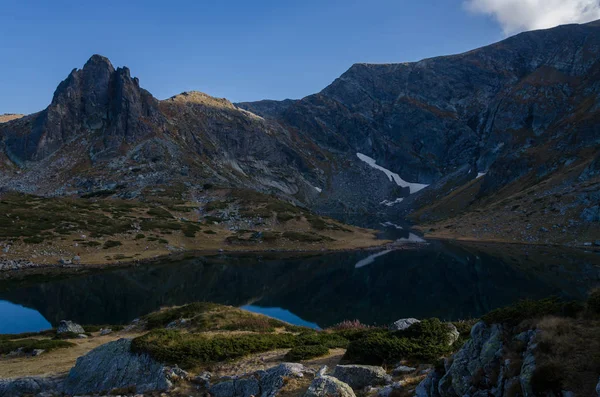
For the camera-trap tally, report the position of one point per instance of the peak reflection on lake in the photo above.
(442, 280)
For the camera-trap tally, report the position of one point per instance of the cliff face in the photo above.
(515, 114)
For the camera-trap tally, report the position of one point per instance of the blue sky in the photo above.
(241, 50)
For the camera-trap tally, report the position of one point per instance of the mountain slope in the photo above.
(436, 139)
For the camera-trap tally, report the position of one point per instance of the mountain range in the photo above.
(499, 143)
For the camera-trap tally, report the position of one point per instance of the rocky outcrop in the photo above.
(69, 326)
(328, 386)
(361, 376)
(260, 383)
(403, 323)
(114, 366)
(481, 366)
(29, 386)
(509, 113)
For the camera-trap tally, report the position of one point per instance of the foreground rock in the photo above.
(361, 376)
(260, 383)
(480, 362)
(28, 386)
(403, 324)
(328, 386)
(69, 326)
(113, 366)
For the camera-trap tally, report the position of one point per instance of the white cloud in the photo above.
(519, 15)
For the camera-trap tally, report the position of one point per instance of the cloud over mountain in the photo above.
(518, 15)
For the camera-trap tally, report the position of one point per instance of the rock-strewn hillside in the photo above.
(382, 140)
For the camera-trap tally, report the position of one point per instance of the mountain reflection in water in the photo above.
(441, 280)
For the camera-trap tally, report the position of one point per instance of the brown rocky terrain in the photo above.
(483, 132)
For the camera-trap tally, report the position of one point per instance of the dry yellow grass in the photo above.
(8, 117)
(57, 361)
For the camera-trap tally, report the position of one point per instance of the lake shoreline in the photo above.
(27, 268)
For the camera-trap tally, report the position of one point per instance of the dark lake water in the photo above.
(442, 280)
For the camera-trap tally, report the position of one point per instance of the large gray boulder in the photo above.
(69, 326)
(114, 366)
(328, 386)
(453, 333)
(28, 386)
(403, 324)
(479, 353)
(260, 383)
(361, 376)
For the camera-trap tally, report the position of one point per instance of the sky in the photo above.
(247, 50)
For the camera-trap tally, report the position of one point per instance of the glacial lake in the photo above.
(446, 280)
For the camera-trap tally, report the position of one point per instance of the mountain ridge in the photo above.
(518, 111)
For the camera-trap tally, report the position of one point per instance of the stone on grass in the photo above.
(114, 366)
(69, 326)
(403, 324)
(328, 386)
(361, 376)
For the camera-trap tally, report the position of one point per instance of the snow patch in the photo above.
(480, 174)
(370, 259)
(318, 189)
(393, 177)
(390, 224)
(412, 238)
(391, 203)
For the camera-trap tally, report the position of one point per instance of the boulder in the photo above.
(236, 388)
(203, 379)
(328, 386)
(105, 331)
(481, 352)
(114, 366)
(403, 324)
(598, 388)
(361, 376)
(260, 383)
(27, 386)
(69, 326)
(403, 369)
(389, 389)
(453, 333)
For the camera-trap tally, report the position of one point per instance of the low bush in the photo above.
(593, 302)
(163, 317)
(111, 244)
(299, 353)
(158, 212)
(427, 340)
(305, 237)
(525, 309)
(188, 349)
(29, 345)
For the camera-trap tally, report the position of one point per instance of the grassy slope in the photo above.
(104, 230)
(530, 210)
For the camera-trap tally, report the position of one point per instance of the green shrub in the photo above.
(427, 340)
(299, 353)
(164, 317)
(188, 350)
(33, 240)
(139, 236)
(209, 232)
(29, 345)
(159, 213)
(523, 310)
(305, 237)
(190, 229)
(331, 340)
(593, 302)
(111, 244)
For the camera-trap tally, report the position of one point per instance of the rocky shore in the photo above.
(534, 348)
